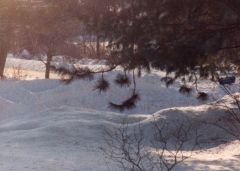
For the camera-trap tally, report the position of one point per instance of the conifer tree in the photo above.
(190, 39)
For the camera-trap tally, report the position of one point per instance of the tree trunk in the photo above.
(98, 47)
(48, 66)
(3, 59)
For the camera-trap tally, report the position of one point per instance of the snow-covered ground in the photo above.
(46, 125)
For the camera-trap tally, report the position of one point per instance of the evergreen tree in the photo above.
(188, 38)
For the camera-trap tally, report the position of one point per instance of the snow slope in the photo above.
(46, 125)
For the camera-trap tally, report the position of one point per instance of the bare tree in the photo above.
(48, 31)
(8, 29)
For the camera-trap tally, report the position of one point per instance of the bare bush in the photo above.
(231, 121)
(16, 72)
(134, 148)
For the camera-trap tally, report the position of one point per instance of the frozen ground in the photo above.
(46, 125)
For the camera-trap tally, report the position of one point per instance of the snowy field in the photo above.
(46, 125)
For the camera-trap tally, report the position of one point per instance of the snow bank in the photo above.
(46, 125)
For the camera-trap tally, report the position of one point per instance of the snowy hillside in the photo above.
(46, 125)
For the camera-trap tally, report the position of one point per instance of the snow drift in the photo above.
(47, 125)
